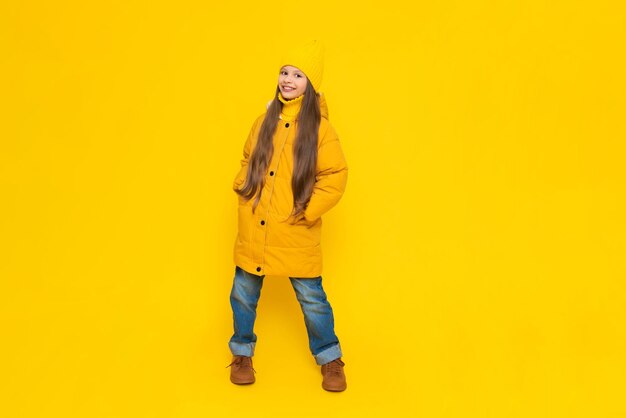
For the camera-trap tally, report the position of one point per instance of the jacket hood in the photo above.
(323, 105)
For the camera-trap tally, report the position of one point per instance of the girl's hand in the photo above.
(300, 219)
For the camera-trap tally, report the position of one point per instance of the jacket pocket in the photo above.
(283, 232)
(244, 222)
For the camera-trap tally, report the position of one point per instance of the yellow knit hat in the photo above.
(309, 58)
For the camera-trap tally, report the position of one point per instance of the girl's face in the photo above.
(292, 82)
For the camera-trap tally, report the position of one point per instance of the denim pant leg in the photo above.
(318, 318)
(244, 298)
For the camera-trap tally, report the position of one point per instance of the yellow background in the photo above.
(475, 263)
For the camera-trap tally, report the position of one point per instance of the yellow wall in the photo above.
(475, 264)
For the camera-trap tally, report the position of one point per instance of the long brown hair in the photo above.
(304, 151)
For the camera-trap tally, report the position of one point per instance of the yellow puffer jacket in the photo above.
(268, 243)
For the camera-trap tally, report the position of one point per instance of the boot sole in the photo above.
(335, 389)
(242, 382)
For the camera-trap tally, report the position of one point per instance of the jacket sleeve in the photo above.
(331, 178)
(247, 150)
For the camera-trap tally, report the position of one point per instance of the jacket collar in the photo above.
(323, 105)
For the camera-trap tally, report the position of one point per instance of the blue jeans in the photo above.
(318, 315)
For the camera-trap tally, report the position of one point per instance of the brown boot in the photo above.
(334, 377)
(241, 371)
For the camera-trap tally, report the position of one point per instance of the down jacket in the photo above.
(269, 242)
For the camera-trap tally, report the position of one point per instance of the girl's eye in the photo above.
(285, 73)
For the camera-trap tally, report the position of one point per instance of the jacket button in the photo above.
(271, 173)
(258, 269)
(287, 125)
(262, 222)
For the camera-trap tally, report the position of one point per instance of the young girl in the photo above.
(293, 171)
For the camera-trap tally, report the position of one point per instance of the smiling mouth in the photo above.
(288, 88)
